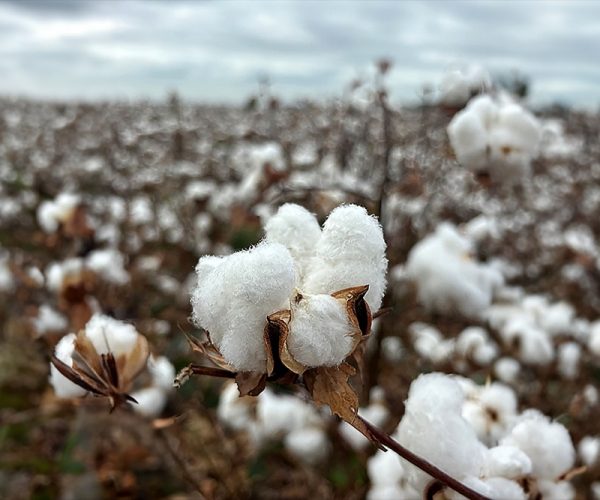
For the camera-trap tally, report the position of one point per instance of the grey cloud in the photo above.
(216, 50)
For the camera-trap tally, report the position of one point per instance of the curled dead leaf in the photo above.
(329, 385)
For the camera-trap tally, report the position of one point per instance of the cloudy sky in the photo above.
(217, 51)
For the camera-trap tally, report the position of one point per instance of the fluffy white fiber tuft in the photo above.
(234, 296)
(51, 214)
(350, 252)
(319, 331)
(546, 443)
(297, 229)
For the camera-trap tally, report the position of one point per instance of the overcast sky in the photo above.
(218, 50)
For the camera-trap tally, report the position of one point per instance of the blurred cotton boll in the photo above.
(448, 279)
(499, 138)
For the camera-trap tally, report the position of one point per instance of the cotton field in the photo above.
(443, 258)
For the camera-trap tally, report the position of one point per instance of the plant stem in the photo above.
(424, 465)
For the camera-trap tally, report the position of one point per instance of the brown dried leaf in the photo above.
(251, 383)
(329, 386)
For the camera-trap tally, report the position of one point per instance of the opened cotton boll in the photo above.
(498, 138)
(459, 85)
(448, 280)
(62, 386)
(546, 443)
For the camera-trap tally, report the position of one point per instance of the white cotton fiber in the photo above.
(58, 272)
(350, 252)
(433, 428)
(320, 331)
(546, 443)
(151, 401)
(234, 296)
(297, 229)
(49, 320)
(63, 387)
(448, 280)
(109, 264)
(507, 461)
(110, 335)
(500, 138)
(162, 371)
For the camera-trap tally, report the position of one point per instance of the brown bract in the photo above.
(104, 374)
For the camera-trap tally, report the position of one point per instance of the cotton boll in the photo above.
(63, 387)
(110, 335)
(350, 252)
(589, 450)
(320, 331)
(569, 355)
(447, 278)
(494, 136)
(297, 229)
(535, 346)
(234, 296)
(433, 428)
(309, 444)
(475, 343)
(58, 272)
(429, 343)
(49, 320)
(547, 444)
(507, 461)
(150, 401)
(507, 369)
(109, 264)
(490, 410)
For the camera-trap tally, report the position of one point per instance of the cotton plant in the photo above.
(295, 307)
(495, 137)
(105, 360)
(445, 421)
(300, 278)
(447, 276)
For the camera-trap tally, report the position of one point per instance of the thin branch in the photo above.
(181, 463)
(194, 369)
(424, 465)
